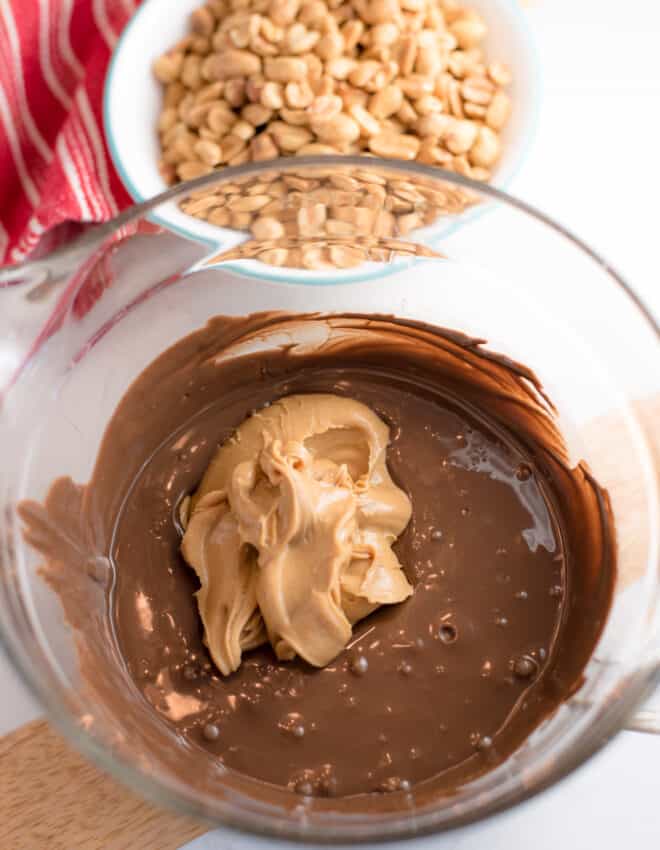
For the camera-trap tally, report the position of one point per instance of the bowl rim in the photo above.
(226, 815)
(315, 278)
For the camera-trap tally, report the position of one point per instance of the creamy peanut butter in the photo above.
(291, 529)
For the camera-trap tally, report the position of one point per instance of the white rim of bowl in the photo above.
(310, 278)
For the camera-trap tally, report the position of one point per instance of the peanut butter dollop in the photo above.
(291, 529)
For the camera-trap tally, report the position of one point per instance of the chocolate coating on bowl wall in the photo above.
(510, 552)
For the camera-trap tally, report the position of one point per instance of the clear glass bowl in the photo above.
(79, 325)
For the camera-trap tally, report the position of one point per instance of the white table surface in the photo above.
(594, 166)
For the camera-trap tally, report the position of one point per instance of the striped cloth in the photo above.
(54, 162)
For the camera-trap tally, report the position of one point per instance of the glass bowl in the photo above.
(79, 325)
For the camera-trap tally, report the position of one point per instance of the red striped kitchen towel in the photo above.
(54, 162)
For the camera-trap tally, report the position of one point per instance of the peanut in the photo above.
(263, 147)
(378, 11)
(274, 256)
(340, 67)
(244, 130)
(499, 110)
(486, 149)
(168, 118)
(369, 126)
(231, 146)
(325, 107)
(345, 256)
(220, 118)
(230, 63)
(477, 90)
(416, 86)
(272, 95)
(331, 45)
(247, 203)
(386, 102)
(191, 71)
(499, 73)
(219, 217)
(289, 138)
(298, 95)
(468, 30)
(208, 152)
(460, 136)
(295, 117)
(202, 21)
(283, 12)
(340, 129)
(192, 169)
(394, 145)
(311, 220)
(285, 69)
(167, 68)
(299, 39)
(384, 35)
(352, 32)
(256, 79)
(427, 104)
(436, 124)
(210, 93)
(256, 114)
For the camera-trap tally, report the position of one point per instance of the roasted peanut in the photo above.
(469, 30)
(486, 149)
(208, 152)
(272, 95)
(230, 63)
(263, 147)
(256, 79)
(339, 130)
(289, 138)
(498, 111)
(386, 102)
(325, 107)
(369, 126)
(167, 68)
(285, 69)
(256, 114)
(394, 145)
(460, 136)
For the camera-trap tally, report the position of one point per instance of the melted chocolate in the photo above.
(509, 549)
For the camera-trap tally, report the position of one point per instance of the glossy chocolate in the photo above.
(510, 551)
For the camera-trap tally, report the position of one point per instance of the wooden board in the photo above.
(52, 799)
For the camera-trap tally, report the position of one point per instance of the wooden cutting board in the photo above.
(52, 799)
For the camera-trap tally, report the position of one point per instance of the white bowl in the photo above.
(133, 98)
